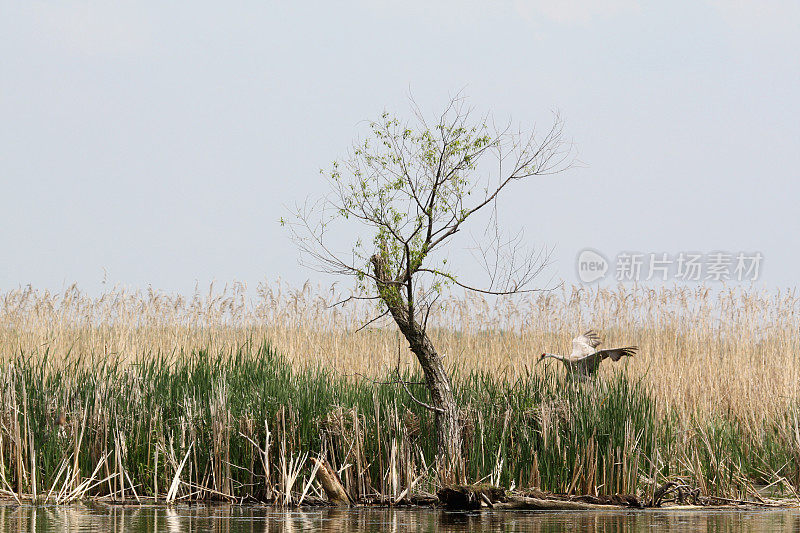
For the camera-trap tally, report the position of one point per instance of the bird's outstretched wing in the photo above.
(589, 364)
(618, 353)
(585, 344)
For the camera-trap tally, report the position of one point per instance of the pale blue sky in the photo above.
(159, 142)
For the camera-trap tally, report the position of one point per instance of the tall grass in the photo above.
(180, 399)
(702, 351)
(241, 425)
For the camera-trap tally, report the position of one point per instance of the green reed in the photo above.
(239, 426)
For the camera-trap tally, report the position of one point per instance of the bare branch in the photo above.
(451, 278)
(375, 319)
(415, 400)
(351, 298)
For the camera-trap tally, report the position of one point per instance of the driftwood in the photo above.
(618, 500)
(683, 493)
(423, 498)
(420, 499)
(477, 496)
(525, 502)
(331, 483)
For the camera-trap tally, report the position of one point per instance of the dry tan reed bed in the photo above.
(702, 351)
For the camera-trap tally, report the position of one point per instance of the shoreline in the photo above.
(516, 503)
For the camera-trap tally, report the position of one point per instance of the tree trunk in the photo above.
(448, 426)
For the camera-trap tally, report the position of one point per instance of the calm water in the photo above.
(235, 519)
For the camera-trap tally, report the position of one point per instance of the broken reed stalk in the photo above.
(176, 479)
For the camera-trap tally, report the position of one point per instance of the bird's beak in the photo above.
(541, 358)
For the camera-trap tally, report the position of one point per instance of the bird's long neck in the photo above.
(554, 356)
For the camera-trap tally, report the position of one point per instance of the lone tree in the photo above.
(410, 188)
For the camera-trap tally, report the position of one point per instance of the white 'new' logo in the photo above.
(591, 266)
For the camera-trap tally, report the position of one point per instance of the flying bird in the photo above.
(585, 358)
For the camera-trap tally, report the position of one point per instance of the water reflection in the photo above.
(240, 519)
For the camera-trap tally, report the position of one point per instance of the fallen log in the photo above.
(421, 499)
(528, 503)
